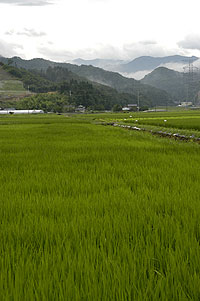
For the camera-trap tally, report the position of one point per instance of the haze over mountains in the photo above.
(149, 95)
(159, 86)
(164, 73)
(140, 66)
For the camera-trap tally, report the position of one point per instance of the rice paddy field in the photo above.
(92, 212)
(183, 121)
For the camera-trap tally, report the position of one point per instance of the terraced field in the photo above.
(10, 87)
(5, 75)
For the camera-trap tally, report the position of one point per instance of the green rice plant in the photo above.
(96, 213)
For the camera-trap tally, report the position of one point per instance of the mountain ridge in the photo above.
(179, 85)
(148, 62)
(139, 64)
(149, 94)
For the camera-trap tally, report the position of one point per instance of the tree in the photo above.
(117, 108)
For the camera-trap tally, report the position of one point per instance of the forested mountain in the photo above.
(77, 91)
(139, 64)
(148, 95)
(181, 86)
(32, 81)
(168, 80)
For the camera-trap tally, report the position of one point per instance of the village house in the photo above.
(130, 107)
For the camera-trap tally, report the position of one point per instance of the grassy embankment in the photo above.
(9, 86)
(96, 213)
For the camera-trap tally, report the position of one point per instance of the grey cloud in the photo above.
(100, 0)
(127, 52)
(141, 48)
(9, 49)
(26, 32)
(191, 41)
(51, 53)
(27, 2)
(10, 32)
(31, 33)
(148, 42)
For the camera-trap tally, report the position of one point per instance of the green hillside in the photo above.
(10, 86)
(181, 86)
(148, 95)
(4, 75)
(71, 88)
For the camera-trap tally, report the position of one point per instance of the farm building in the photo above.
(13, 111)
(130, 107)
(80, 109)
(185, 104)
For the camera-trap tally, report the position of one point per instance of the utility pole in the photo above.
(138, 101)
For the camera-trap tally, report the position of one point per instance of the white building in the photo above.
(13, 111)
(130, 107)
(185, 104)
(80, 109)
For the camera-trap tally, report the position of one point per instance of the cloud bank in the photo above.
(26, 32)
(9, 49)
(126, 52)
(191, 41)
(27, 2)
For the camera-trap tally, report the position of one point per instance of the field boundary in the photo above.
(175, 136)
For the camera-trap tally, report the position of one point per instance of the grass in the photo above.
(4, 75)
(183, 122)
(11, 85)
(96, 213)
(186, 122)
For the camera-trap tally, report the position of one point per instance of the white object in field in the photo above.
(165, 120)
(7, 111)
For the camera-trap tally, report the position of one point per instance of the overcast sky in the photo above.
(120, 29)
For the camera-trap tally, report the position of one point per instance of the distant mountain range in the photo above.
(150, 63)
(106, 64)
(179, 85)
(140, 66)
(149, 95)
(160, 86)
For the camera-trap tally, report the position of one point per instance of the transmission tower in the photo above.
(191, 79)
